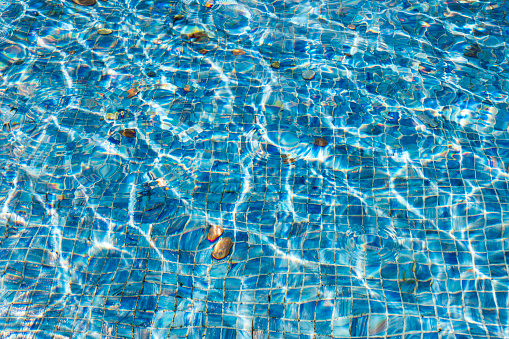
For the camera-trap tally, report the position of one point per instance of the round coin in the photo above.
(85, 2)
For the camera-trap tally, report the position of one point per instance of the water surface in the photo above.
(355, 152)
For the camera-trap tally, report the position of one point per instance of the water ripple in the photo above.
(355, 152)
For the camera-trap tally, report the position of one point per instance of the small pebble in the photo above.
(121, 113)
(238, 52)
(85, 2)
(203, 51)
(104, 31)
(198, 37)
(275, 64)
(287, 159)
(222, 248)
(472, 51)
(19, 62)
(132, 92)
(479, 31)
(112, 116)
(214, 232)
(129, 133)
(321, 142)
(151, 74)
(178, 17)
(308, 74)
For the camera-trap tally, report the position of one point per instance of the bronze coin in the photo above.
(132, 92)
(104, 31)
(85, 2)
(238, 52)
(129, 133)
(321, 142)
(198, 37)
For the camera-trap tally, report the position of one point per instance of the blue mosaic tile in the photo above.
(354, 152)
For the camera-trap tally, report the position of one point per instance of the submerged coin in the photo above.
(222, 248)
(321, 142)
(178, 17)
(238, 52)
(198, 37)
(129, 133)
(214, 232)
(104, 31)
(85, 2)
(472, 51)
(287, 159)
(275, 64)
(132, 92)
(112, 116)
(121, 114)
(308, 74)
(151, 74)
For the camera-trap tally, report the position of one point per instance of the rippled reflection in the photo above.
(354, 152)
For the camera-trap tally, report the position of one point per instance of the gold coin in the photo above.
(104, 31)
(85, 2)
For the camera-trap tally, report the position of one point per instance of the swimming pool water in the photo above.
(355, 153)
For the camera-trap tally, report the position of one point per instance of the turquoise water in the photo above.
(354, 152)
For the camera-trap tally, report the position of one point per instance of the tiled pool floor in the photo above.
(355, 153)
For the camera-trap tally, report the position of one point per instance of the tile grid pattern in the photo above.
(72, 253)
